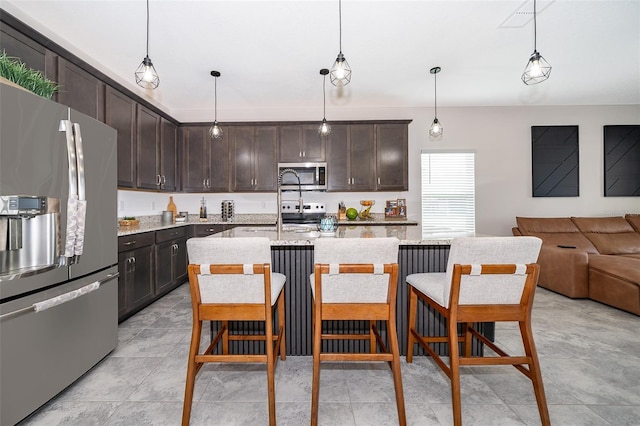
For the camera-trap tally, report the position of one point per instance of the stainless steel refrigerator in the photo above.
(58, 249)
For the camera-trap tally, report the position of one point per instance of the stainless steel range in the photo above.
(311, 212)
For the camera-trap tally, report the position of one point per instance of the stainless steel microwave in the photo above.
(313, 176)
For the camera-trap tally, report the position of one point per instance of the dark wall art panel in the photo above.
(554, 161)
(622, 161)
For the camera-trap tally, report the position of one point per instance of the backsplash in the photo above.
(138, 203)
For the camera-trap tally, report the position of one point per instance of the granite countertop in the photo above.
(153, 223)
(305, 235)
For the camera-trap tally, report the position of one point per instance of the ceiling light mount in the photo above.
(146, 75)
(215, 131)
(435, 131)
(537, 69)
(325, 129)
(341, 71)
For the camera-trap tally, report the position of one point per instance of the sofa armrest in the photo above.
(564, 270)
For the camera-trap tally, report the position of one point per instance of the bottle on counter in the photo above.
(172, 208)
(203, 210)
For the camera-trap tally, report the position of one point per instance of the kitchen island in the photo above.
(292, 255)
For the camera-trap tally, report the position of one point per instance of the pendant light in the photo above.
(436, 127)
(537, 69)
(215, 131)
(340, 72)
(146, 75)
(324, 128)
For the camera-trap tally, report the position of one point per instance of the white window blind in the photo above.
(448, 192)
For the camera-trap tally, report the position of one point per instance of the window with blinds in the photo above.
(448, 192)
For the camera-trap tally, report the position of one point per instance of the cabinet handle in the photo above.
(158, 180)
(130, 243)
(299, 153)
(208, 182)
(164, 180)
(304, 153)
(378, 181)
(204, 183)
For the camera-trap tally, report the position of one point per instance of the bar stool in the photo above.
(231, 280)
(487, 280)
(356, 279)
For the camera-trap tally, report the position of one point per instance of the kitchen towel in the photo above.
(63, 298)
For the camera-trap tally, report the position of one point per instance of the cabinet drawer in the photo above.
(171, 234)
(206, 230)
(130, 242)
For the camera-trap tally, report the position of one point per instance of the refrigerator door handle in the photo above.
(72, 202)
(82, 203)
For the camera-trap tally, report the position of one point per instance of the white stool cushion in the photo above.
(431, 284)
(236, 288)
(354, 288)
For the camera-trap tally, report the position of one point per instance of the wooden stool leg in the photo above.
(315, 387)
(454, 363)
(395, 368)
(270, 367)
(225, 338)
(281, 327)
(468, 339)
(536, 374)
(191, 372)
(373, 344)
(411, 321)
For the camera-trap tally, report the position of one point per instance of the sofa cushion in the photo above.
(555, 231)
(621, 267)
(610, 235)
(634, 220)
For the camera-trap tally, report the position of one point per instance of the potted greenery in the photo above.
(15, 71)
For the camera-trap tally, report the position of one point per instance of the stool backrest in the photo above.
(490, 289)
(230, 251)
(355, 288)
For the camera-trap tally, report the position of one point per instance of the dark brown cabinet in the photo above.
(253, 156)
(32, 54)
(147, 149)
(298, 144)
(171, 259)
(120, 113)
(205, 165)
(168, 169)
(80, 90)
(351, 158)
(392, 167)
(136, 281)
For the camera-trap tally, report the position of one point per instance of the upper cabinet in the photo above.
(168, 155)
(205, 165)
(32, 54)
(392, 165)
(300, 143)
(148, 149)
(120, 113)
(80, 90)
(253, 158)
(351, 157)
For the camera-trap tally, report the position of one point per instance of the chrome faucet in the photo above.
(279, 201)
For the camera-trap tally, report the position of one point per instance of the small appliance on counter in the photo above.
(227, 208)
(167, 217)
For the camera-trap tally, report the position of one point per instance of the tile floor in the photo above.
(590, 356)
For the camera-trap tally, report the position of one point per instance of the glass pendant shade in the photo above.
(537, 69)
(146, 75)
(340, 72)
(215, 131)
(436, 129)
(324, 129)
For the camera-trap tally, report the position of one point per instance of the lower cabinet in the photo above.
(171, 259)
(136, 287)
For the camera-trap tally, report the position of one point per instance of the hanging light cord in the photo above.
(435, 93)
(340, 19)
(215, 100)
(147, 28)
(324, 98)
(535, 36)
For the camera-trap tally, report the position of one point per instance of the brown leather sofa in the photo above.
(589, 257)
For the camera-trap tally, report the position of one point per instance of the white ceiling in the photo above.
(270, 52)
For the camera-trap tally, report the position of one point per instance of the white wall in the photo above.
(501, 138)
